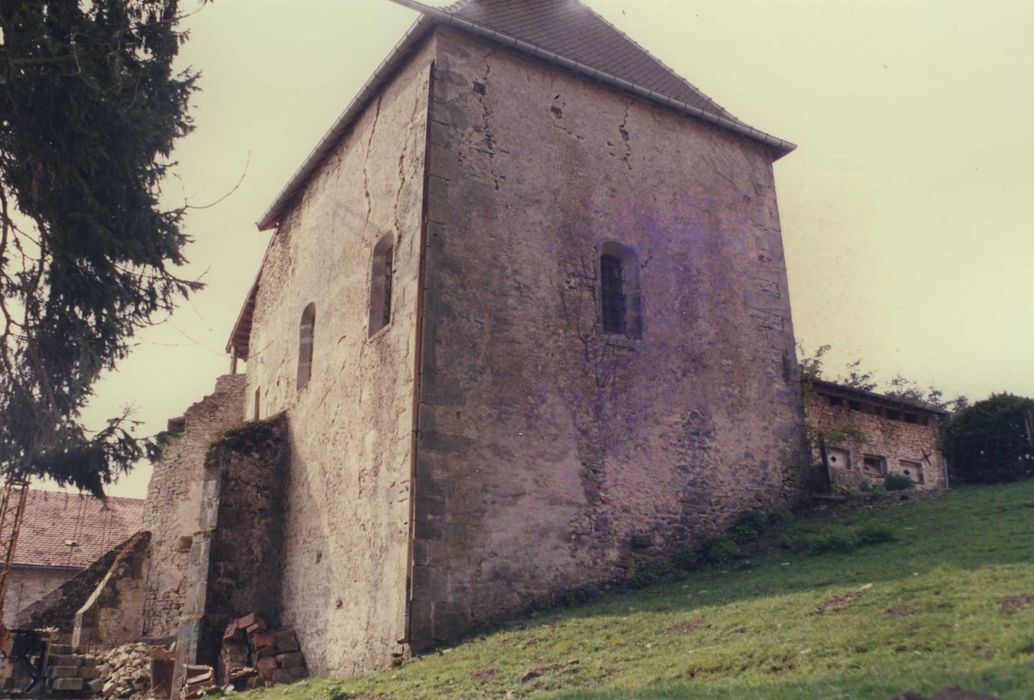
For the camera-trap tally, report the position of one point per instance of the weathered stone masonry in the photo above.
(174, 498)
(551, 456)
(897, 437)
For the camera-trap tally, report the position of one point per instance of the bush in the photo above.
(838, 542)
(686, 559)
(653, 573)
(992, 441)
(897, 482)
(719, 549)
(748, 527)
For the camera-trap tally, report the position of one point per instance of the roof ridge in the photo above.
(724, 112)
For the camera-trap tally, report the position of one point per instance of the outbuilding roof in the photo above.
(70, 531)
(826, 387)
(565, 33)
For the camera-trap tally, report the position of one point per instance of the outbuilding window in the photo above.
(381, 273)
(305, 342)
(620, 299)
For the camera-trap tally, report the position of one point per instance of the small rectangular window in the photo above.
(913, 470)
(854, 405)
(893, 415)
(874, 465)
(835, 401)
(911, 418)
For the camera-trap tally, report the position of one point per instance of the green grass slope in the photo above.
(950, 601)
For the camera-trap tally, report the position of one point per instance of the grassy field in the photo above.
(950, 601)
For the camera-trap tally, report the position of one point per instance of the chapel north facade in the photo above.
(530, 327)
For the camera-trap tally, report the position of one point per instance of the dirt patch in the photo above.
(485, 675)
(954, 693)
(839, 602)
(570, 667)
(1015, 602)
(902, 611)
(684, 627)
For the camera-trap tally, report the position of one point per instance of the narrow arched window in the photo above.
(305, 336)
(381, 283)
(620, 300)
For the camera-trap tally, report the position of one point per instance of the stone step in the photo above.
(67, 684)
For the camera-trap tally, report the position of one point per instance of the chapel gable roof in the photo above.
(565, 33)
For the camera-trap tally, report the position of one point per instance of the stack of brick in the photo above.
(68, 674)
(254, 655)
(196, 682)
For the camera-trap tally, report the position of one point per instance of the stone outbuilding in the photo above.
(859, 437)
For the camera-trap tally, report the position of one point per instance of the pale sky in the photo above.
(907, 209)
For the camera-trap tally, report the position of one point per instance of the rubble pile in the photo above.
(254, 655)
(125, 672)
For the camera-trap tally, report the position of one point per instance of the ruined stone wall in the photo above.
(173, 501)
(28, 585)
(903, 446)
(553, 456)
(346, 542)
(236, 557)
(58, 607)
(112, 615)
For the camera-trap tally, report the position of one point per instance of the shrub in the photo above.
(780, 518)
(897, 482)
(686, 559)
(992, 441)
(748, 526)
(653, 573)
(719, 549)
(838, 542)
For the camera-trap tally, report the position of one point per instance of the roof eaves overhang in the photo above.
(778, 145)
(833, 387)
(430, 16)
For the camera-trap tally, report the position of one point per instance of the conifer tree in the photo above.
(90, 108)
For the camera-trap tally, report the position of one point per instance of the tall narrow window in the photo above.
(620, 300)
(305, 336)
(381, 283)
(257, 399)
(612, 288)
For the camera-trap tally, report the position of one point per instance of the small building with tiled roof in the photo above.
(61, 534)
(525, 311)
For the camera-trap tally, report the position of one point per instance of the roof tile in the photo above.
(72, 530)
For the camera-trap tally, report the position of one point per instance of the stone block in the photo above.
(89, 672)
(285, 641)
(67, 684)
(64, 671)
(66, 660)
(292, 659)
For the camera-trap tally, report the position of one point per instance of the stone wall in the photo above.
(27, 585)
(174, 497)
(351, 425)
(903, 446)
(236, 559)
(57, 608)
(552, 455)
(112, 615)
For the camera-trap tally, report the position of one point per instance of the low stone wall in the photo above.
(113, 613)
(58, 608)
